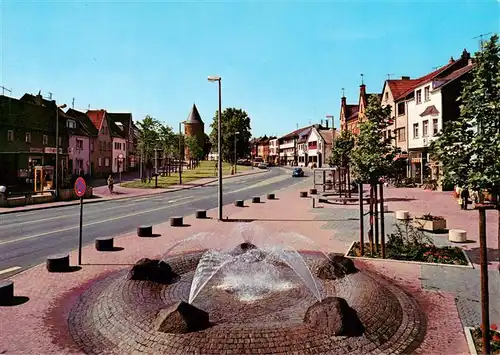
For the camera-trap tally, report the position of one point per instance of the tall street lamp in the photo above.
(57, 148)
(181, 160)
(235, 157)
(219, 143)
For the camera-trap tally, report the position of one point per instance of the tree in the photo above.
(207, 148)
(372, 158)
(148, 139)
(195, 151)
(469, 148)
(233, 120)
(342, 149)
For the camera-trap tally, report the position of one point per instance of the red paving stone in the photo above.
(24, 328)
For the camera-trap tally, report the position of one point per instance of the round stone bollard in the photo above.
(6, 292)
(270, 196)
(313, 191)
(239, 203)
(145, 231)
(58, 263)
(303, 193)
(104, 244)
(256, 199)
(201, 214)
(457, 235)
(176, 221)
(402, 215)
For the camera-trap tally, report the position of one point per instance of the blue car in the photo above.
(298, 172)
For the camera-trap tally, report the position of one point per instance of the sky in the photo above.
(283, 62)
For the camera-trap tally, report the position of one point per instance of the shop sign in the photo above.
(52, 150)
(36, 150)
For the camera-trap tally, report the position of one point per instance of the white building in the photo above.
(434, 102)
(319, 146)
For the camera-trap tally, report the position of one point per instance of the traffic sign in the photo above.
(80, 187)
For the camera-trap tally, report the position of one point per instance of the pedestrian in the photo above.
(110, 183)
(464, 195)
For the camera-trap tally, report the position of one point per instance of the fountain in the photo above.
(253, 292)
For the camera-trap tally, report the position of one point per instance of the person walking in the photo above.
(110, 183)
(464, 195)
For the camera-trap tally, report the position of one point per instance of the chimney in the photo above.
(451, 60)
(405, 78)
(321, 123)
(465, 54)
(326, 123)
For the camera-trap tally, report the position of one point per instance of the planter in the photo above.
(470, 340)
(435, 225)
(475, 342)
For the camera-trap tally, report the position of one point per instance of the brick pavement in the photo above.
(101, 193)
(25, 327)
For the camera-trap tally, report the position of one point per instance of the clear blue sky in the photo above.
(283, 62)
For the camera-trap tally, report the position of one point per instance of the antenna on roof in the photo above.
(89, 106)
(481, 39)
(5, 89)
(73, 104)
(434, 68)
(343, 92)
(362, 79)
(50, 95)
(389, 76)
(297, 125)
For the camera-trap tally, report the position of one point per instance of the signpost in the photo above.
(120, 164)
(80, 188)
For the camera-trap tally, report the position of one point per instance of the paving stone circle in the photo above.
(116, 316)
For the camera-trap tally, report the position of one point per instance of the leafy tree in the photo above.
(233, 120)
(195, 151)
(149, 134)
(372, 157)
(207, 147)
(469, 147)
(342, 149)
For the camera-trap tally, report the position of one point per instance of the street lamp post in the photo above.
(181, 160)
(235, 155)
(57, 149)
(219, 143)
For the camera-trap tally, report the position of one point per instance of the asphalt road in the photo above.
(28, 238)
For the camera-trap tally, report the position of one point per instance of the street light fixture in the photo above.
(57, 148)
(219, 143)
(235, 157)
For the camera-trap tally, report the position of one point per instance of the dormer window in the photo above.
(71, 124)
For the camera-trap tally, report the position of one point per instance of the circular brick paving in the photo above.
(116, 316)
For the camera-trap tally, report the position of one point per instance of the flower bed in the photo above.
(430, 222)
(477, 336)
(424, 253)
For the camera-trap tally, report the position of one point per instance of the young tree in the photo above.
(469, 147)
(167, 142)
(341, 152)
(148, 138)
(233, 120)
(207, 148)
(196, 152)
(372, 157)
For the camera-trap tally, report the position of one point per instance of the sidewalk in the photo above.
(40, 324)
(101, 193)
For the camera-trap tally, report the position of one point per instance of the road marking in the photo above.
(14, 268)
(180, 199)
(120, 217)
(278, 178)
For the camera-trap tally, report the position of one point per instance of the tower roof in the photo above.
(194, 116)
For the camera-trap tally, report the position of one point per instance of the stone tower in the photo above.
(194, 127)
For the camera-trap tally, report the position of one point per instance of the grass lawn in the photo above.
(205, 170)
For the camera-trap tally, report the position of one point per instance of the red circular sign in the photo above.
(80, 187)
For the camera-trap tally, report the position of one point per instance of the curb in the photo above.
(92, 201)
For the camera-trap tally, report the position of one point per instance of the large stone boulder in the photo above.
(152, 270)
(338, 266)
(333, 316)
(181, 318)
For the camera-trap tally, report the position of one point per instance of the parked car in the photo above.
(262, 166)
(297, 172)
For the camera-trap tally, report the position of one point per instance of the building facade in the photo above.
(102, 152)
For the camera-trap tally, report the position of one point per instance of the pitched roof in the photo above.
(122, 120)
(454, 75)
(96, 117)
(351, 112)
(295, 133)
(430, 110)
(194, 116)
(400, 86)
(84, 121)
(304, 134)
(327, 135)
(17, 113)
(38, 100)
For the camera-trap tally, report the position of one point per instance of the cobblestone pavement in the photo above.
(50, 297)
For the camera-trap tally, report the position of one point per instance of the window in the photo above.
(427, 95)
(70, 124)
(60, 141)
(100, 146)
(10, 135)
(401, 135)
(45, 139)
(435, 127)
(106, 161)
(109, 145)
(415, 130)
(79, 144)
(99, 162)
(401, 108)
(418, 96)
(386, 96)
(425, 128)
(91, 146)
(28, 137)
